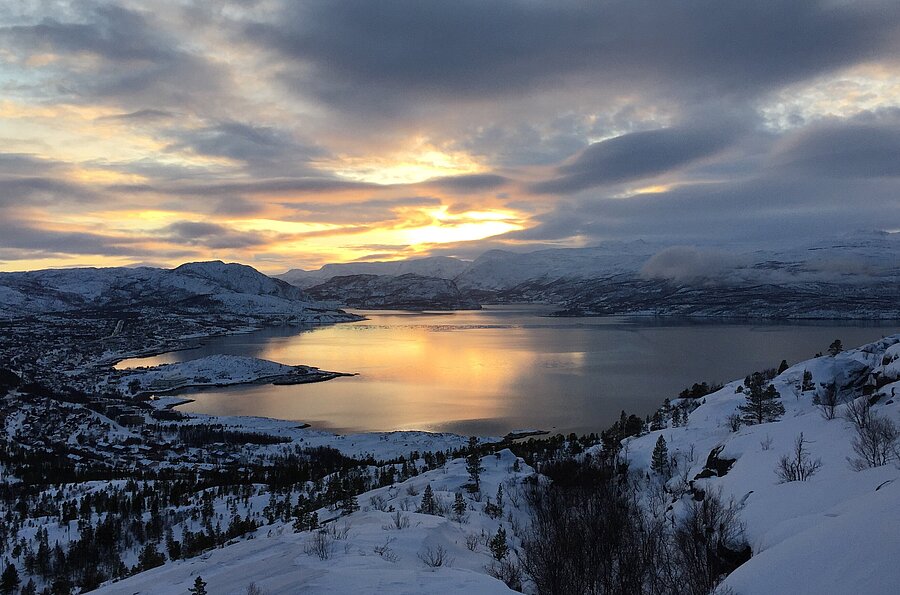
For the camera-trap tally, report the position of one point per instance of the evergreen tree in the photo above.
(199, 587)
(459, 505)
(473, 465)
(29, 589)
(150, 558)
(427, 506)
(762, 401)
(499, 548)
(660, 460)
(349, 503)
(807, 384)
(835, 348)
(9, 580)
(783, 366)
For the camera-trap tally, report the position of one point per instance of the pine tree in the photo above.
(473, 465)
(199, 587)
(459, 505)
(783, 366)
(498, 545)
(9, 580)
(807, 384)
(660, 460)
(835, 348)
(29, 589)
(349, 503)
(762, 401)
(150, 557)
(427, 506)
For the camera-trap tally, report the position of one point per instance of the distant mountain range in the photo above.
(853, 276)
(200, 287)
(856, 276)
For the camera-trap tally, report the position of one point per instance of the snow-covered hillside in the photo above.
(209, 287)
(836, 532)
(442, 267)
(382, 548)
(403, 292)
(855, 275)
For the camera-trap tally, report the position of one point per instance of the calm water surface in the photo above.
(503, 368)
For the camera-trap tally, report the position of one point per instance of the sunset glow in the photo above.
(285, 135)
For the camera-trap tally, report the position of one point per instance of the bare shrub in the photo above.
(385, 550)
(798, 466)
(709, 543)
(766, 444)
(254, 589)
(472, 541)
(858, 413)
(435, 557)
(876, 443)
(507, 571)
(826, 399)
(398, 522)
(378, 503)
(341, 531)
(734, 422)
(321, 545)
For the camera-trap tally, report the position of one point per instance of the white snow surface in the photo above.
(838, 533)
(276, 561)
(212, 370)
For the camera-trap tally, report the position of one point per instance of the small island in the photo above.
(216, 370)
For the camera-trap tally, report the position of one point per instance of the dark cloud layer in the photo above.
(364, 52)
(635, 156)
(751, 121)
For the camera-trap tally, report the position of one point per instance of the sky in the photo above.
(289, 134)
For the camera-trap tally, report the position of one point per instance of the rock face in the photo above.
(403, 292)
(204, 287)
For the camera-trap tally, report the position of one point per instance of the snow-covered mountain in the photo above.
(442, 267)
(401, 292)
(852, 276)
(207, 287)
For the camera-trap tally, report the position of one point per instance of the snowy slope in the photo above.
(442, 267)
(853, 276)
(277, 561)
(402, 292)
(837, 532)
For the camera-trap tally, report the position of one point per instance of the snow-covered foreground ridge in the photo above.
(838, 532)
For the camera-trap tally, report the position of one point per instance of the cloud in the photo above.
(210, 235)
(844, 150)
(688, 264)
(355, 53)
(633, 157)
(141, 115)
(262, 147)
(469, 183)
(109, 51)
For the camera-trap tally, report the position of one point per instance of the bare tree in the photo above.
(321, 545)
(876, 443)
(858, 413)
(798, 466)
(826, 400)
(709, 544)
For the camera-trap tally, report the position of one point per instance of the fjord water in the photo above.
(503, 368)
